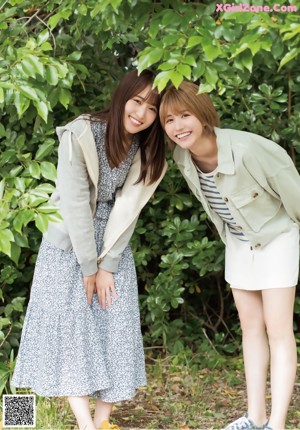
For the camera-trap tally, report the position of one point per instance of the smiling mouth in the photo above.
(182, 135)
(135, 121)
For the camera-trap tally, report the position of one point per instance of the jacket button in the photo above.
(254, 195)
(218, 175)
(258, 245)
(225, 199)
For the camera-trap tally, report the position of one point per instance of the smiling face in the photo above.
(186, 116)
(139, 112)
(184, 129)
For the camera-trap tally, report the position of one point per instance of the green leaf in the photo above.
(4, 322)
(6, 237)
(21, 239)
(22, 219)
(170, 18)
(36, 64)
(75, 56)
(48, 170)
(83, 10)
(193, 41)
(20, 184)
(185, 70)
(241, 48)
(266, 90)
(42, 37)
(151, 58)
(153, 29)
(15, 252)
(170, 39)
(96, 10)
(277, 48)
(168, 65)
(21, 103)
(54, 20)
(28, 92)
(176, 78)
(161, 80)
(206, 88)
(6, 85)
(2, 187)
(4, 211)
(211, 75)
(64, 97)
(42, 109)
(44, 149)
(2, 130)
(46, 47)
(47, 208)
(34, 169)
(41, 221)
(247, 60)
(115, 4)
(289, 57)
(189, 59)
(1, 95)
(52, 75)
(15, 171)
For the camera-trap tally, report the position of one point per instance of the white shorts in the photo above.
(276, 265)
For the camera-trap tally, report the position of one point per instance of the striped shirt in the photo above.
(217, 204)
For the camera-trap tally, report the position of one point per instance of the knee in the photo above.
(278, 332)
(252, 325)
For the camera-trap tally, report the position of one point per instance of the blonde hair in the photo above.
(186, 97)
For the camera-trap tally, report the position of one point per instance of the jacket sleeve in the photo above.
(111, 260)
(73, 182)
(286, 183)
(130, 197)
(270, 164)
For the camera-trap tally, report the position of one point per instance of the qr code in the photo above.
(19, 410)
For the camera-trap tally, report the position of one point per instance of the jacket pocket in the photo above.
(256, 206)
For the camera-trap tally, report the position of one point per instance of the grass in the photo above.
(181, 394)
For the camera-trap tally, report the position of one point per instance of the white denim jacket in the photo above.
(76, 197)
(257, 179)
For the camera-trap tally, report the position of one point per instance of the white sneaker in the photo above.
(243, 423)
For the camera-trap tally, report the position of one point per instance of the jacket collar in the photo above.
(225, 155)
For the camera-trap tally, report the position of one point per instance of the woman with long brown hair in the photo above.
(81, 335)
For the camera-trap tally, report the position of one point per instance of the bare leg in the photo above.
(102, 412)
(255, 349)
(81, 409)
(278, 310)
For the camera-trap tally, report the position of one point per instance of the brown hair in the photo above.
(186, 97)
(152, 138)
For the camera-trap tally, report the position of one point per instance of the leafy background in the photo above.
(61, 58)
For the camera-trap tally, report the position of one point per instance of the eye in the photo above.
(168, 121)
(138, 101)
(153, 109)
(185, 114)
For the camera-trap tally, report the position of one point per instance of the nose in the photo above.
(177, 124)
(141, 110)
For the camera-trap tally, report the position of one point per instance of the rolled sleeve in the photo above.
(75, 206)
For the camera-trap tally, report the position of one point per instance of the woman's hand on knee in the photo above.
(105, 287)
(89, 283)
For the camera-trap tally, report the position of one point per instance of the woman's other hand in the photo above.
(105, 287)
(89, 283)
